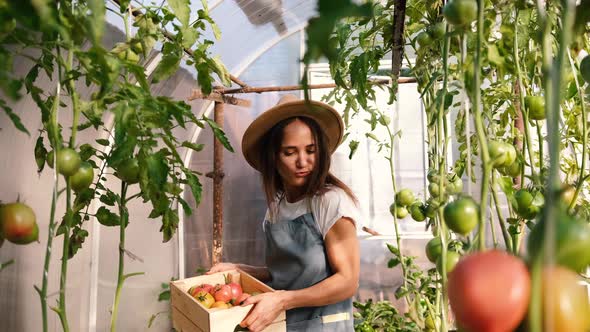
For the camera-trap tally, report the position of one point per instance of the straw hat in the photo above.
(290, 106)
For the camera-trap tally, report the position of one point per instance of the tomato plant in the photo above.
(502, 154)
(461, 215)
(398, 211)
(83, 178)
(477, 305)
(18, 223)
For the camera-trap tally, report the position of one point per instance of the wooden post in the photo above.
(397, 43)
(218, 189)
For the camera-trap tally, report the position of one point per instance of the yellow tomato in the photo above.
(205, 299)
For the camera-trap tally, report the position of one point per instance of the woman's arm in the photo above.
(259, 272)
(342, 248)
(343, 255)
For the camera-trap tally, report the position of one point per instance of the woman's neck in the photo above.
(294, 194)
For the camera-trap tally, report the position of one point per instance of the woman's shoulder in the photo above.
(332, 193)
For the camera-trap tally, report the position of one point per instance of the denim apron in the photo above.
(296, 258)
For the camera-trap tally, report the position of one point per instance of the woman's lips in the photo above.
(301, 174)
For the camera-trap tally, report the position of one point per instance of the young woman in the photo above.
(312, 252)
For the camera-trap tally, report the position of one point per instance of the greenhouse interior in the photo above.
(295, 165)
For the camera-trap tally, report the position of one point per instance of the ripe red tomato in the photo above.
(18, 223)
(222, 293)
(236, 290)
(489, 291)
(240, 300)
(461, 215)
(565, 301)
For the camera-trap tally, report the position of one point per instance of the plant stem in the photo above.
(505, 234)
(523, 110)
(541, 144)
(120, 277)
(483, 145)
(580, 183)
(51, 232)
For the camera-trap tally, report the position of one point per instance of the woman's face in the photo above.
(297, 156)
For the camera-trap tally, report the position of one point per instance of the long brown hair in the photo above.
(320, 176)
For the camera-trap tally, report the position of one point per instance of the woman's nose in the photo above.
(302, 160)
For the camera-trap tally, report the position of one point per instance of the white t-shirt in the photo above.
(326, 209)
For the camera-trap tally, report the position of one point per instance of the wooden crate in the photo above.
(189, 315)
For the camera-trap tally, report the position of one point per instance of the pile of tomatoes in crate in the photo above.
(221, 296)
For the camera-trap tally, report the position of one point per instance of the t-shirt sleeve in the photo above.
(332, 206)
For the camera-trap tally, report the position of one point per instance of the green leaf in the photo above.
(194, 146)
(219, 68)
(96, 20)
(102, 141)
(393, 262)
(394, 250)
(164, 296)
(76, 240)
(353, 145)
(107, 218)
(189, 37)
(167, 66)
(194, 184)
(219, 134)
(181, 9)
(14, 118)
(109, 198)
(123, 5)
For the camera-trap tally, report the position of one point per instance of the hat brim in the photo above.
(326, 116)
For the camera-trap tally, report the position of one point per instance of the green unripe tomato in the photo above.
(455, 186)
(128, 171)
(433, 249)
(452, 260)
(536, 107)
(461, 215)
(438, 30)
(404, 197)
(460, 12)
(68, 161)
(128, 55)
(400, 212)
(424, 39)
(83, 178)
(417, 211)
(528, 204)
(50, 158)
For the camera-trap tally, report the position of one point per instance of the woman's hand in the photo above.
(267, 307)
(221, 267)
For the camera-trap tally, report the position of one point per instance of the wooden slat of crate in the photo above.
(181, 323)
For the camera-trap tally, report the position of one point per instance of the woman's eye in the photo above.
(286, 153)
(310, 151)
